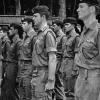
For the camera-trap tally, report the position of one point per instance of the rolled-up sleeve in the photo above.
(50, 42)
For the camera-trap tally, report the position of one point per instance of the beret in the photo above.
(40, 9)
(71, 20)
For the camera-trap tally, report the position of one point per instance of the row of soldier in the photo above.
(42, 63)
(17, 47)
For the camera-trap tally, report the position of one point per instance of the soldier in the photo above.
(5, 47)
(25, 60)
(69, 50)
(43, 56)
(3, 40)
(59, 89)
(88, 57)
(9, 82)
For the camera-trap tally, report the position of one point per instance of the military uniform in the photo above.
(25, 67)
(44, 44)
(88, 57)
(67, 65)
(5, 47)
(9, 82)
(88, 60)
(59, 88)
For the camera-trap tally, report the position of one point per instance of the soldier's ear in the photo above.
(43, 16)
(92, 9)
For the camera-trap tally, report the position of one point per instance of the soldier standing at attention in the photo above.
(69, 50)
(88, 57)
(43, 56)
(11, 70)
(5, 48)
(60, 36)
(25, 60)
(3, 42)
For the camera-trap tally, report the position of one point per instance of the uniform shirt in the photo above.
(69, 45)
(13, 52)
(5, 47)
(59, 43)
(88, 55)
(26, 46)
(44, 44)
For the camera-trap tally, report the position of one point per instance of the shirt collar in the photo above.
(43, 28)
(60, 33)
(30, 33)
(15, 38)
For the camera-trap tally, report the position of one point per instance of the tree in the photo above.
(18, 7)
(62, 10)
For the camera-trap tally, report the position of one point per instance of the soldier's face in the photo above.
(1, 33)
(11, 31)
(37, 19)
(56, 28)
(84, 11)
(25, 26)
(67, 27)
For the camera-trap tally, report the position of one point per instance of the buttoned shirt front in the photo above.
(26, 46)
(5, 47)
(88, 55)
(59, 43)
(70, 45)
(13, 52)
(44, 44)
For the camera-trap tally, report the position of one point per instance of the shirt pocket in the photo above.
(39, 46)
(26, 49)
(89, 50)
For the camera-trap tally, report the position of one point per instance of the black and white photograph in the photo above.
(49, 49)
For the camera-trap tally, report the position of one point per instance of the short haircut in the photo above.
(28, 20)
(70, 20)
(95, 3)
(19, 28)
(58, 23)
(42, 10)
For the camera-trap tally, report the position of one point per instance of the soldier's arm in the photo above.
(76, 43)
(0, 62)
(51, 50)
(19, 44)
(64, 43)
(52, 66)
(98, 40)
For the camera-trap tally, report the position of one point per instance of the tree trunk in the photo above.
(18, 7)
(62, 10)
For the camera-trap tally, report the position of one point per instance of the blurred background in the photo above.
(58, 8)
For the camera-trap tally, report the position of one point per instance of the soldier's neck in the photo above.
(29, 31)
(89, 21)
(42, 25)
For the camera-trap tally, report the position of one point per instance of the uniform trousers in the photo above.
(88, 84)
(24, 77)
(38, 82)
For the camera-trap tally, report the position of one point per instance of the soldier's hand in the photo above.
(50, 85)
